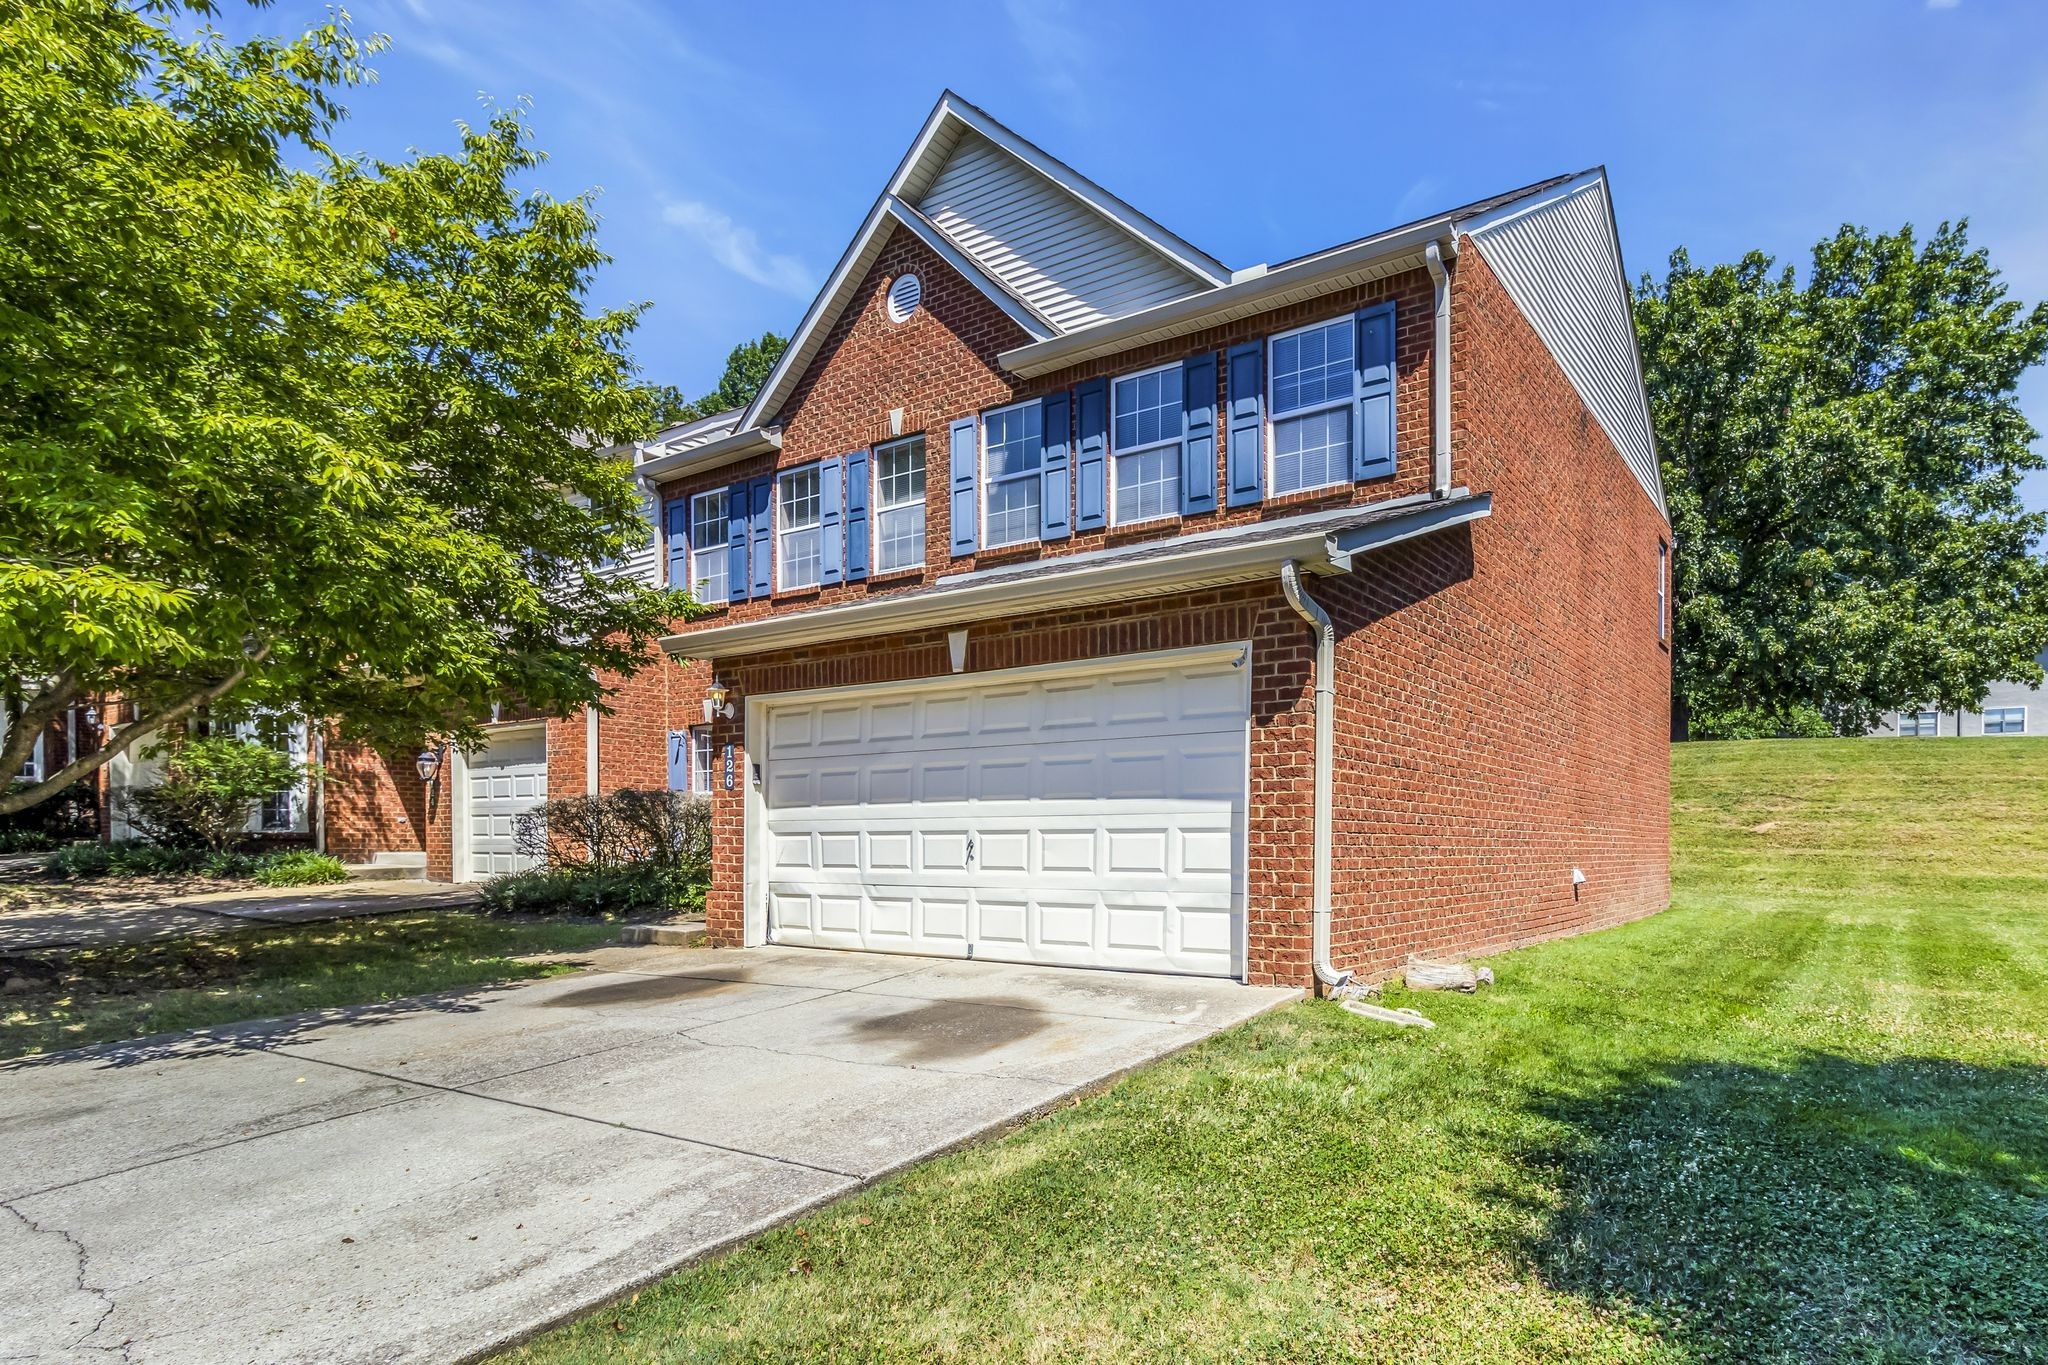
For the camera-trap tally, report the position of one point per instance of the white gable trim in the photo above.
(1558, 254)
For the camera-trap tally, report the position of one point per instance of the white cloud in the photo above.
(738, 248)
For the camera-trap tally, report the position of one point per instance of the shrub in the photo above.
(209, 789)
(70, 815)
(28, 841)
(299, 868)
(594, 892)
(666, 829)
(133, 858)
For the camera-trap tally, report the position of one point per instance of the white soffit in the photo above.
(1558, 257)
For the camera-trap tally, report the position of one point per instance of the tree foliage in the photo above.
(1842, 458)
(209, 790)
(282, 429)
(746, 369)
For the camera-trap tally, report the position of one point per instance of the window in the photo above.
(899, 505)
(1914, 724)
(1145, 441)
(700, 760)
(1663, 591)
(708, 558)
(799, 552)
(1012, 450)
(31, 771)
(1313, 380)
(2005, 720)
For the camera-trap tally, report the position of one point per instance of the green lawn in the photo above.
(1803, 1115)
(98, 995)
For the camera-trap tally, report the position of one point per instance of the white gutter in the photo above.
(1440, 367)
(1325, 745)
(722, 450)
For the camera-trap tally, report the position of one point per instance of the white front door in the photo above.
(1090, 816)
(500, 782)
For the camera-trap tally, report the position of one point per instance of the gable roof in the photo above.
(1050, 247)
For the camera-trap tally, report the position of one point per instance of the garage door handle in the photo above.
(970, 848)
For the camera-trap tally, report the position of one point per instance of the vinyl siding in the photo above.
(1999, 695)
(1066, 261)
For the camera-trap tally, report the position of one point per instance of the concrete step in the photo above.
(679, 935)
(385, 872)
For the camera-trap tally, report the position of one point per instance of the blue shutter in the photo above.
(676, 516)
(1198, 434)
(736, 523)
(1091, 456)
(1246, 449)
(1372, 455)
(761, 534)
(857, 536)
(831, 530)
(679, 760)
(1055, 492)
(960, 446)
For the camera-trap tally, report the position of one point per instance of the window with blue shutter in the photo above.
(799, 528)
(706, 567)
(1311, 393)
(1012, 461)
(964, 460)
(679, 760)
(856, 516)
(1091, 455)
(675, 514)
(831, 522)
(899, 505)
(738, 520)
(1245, 445)
(1198, 440)
(1145, 455)
(1374, 457)
(760, 535)
(1056, 494)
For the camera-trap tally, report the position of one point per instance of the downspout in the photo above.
(1326, 748)
(1440, 370)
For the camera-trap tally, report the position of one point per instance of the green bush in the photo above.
(592, 892)
(209, 789)
(28, 841)
(300, 868)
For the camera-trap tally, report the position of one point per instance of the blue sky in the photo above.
(738, 146)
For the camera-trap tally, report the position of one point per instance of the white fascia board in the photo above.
(1207, 560)
(1508, 212)
(1372, 258)
(926, 231)
(1128, 220)
(711, 454)
(804, 343)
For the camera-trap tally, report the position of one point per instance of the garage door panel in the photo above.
(1105, 818)
(503, 780)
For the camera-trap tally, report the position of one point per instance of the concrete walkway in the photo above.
(41, 915)
(430, 1179)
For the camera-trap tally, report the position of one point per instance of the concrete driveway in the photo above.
(432, 1178)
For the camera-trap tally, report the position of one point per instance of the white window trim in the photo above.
(2001, 734)
(985, 484)
(1272, 417)
(724, 549)
(1115, 451)
(775, 497)
(1917, 712)
(1663, 589)
(923, 499)
(709, 772)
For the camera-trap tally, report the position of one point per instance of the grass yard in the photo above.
(98, 995)
(1801, 1116)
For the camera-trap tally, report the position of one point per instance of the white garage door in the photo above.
(502, 782)
(1085, 818)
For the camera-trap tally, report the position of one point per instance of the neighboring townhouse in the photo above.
(2010, 708)
(1081, 600)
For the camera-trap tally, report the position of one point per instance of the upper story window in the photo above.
(1663, 591)
(799, 549)
(2005, 720)
(899, 505)
(1313, 379)
(1914, 724)
(1013, 452)
(708, 550)
(1145, 440)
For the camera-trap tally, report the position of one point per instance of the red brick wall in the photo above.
(376, 803)
(941, 364)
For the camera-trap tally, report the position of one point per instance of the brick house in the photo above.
(1081, 600)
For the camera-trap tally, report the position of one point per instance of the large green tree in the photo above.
(1842, 457)
(284, 429)
(746, 370)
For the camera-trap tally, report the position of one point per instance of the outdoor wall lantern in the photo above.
(428, 764)
(717, 702)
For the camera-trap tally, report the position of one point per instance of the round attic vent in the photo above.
(903, 297)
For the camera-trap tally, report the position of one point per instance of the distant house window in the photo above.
(708, 558)
(1314, 378)
(1145, 441)
(31, 771)
(799, 552)
(700, 759)
(2005, 720)
(1663, 591)
(1915, 724)
(1013, 451)
(899, 505)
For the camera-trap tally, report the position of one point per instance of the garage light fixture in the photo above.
(427, 764)
(717, 702)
